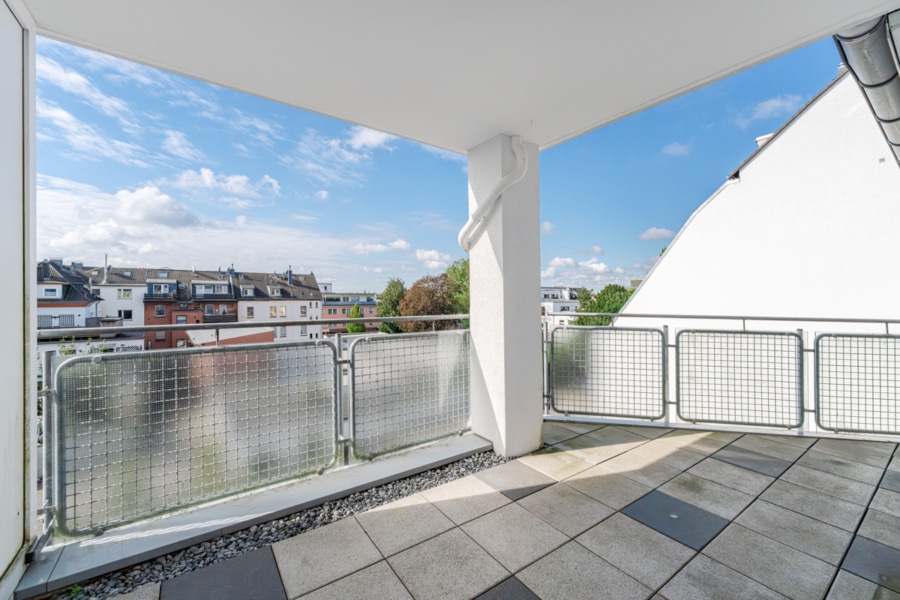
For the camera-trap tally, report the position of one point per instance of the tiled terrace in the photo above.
(608, 512)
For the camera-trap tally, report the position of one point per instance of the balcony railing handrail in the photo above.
(57, 332)
(723, 317)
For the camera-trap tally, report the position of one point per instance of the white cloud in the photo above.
(657, 233)
(779, 106)
(72, 82)
(88, 143)
(432, 259)
(363, 137)
(593, 265)
(177, 144)
(547, 227)
(595, 250)
(676, 149)
(149, 205)
(562, 262)
(618, 270)
(369, 248)
(237, 185)
(321, 195)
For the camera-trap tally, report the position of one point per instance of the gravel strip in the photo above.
(259, 536)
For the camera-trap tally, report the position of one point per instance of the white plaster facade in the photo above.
(272, 312)
(557, 299)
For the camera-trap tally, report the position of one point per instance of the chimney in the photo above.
(290, 276)
(230, 270)
(105, 267)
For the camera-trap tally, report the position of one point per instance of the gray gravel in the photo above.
(259, 536)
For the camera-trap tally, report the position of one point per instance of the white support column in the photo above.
(506, 367)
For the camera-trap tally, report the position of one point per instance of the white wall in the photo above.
(12, 302)
(112, 304)
(809, 229)
(292, 313)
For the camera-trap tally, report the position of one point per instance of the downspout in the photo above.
(473, 229)
(869, 55)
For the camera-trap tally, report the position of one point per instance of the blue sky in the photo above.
(156, 170)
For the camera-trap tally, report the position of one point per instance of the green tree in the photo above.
(389, 304)
(610, 299)
(428, 296)
(458, 274)
(355, 313)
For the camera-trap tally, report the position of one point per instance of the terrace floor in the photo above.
(607, 512)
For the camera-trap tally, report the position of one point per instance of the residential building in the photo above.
(338, 305)
(273, 298)
(557, 299)
(121, 290)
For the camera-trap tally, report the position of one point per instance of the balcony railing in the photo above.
(133, 435)
(226, 318)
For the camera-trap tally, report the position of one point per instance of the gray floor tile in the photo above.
(875, 562)
(377, 582)
(701, 442)
(791, 440)
(450, 566)
(149, 591)
(776, 566)
(579, 428)
(669, 455)
(556, 463)
(250, 575)
(881, 527)
(566, 509)
(323, 555)
(706, 579)
(643, 553)
(848, 586)
(465, 499)
(647, 432)
(607, 487)
(596, 450)
(555, 433)
(768, 447)
(509, 589)
(812, 503)
(515, 479)
(797, 531)
(641, 468)
(574, 573)
(886, 501)
(891, 481)
(683, 522)
(707, 495)
(828, 483)
(737, 478)
(403, 523)
(841, 467)
(514, 536)
(749, 459)
(875, 454)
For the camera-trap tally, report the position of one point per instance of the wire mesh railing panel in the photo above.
(143, 433)
(740, 377)
(605, 371)
(858, 383)
(408, 389)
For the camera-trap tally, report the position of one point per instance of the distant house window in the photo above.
(274, 291)
(160, 310)
(282, 311)
(50, 292)
(125, 314)
(273, 312)
(181, 320)
(126, 274)
(160, 335)
(249, 312)
(543, 311)
(302, 311)
(209, 309)
(281, 331)
(123, 294)
(332, 311)
(163, 274)
(221, 289)
(160, 288)
(343, 311)
(181, 343)
(247, 291)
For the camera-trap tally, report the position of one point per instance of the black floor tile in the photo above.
(251, 575)
(873, 561)
(509, 589)
(891, 481)
(748, 459)
(683, 522)
(515, 480)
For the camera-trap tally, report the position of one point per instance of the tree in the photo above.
(389, 304)
(428, 296)
(355, 313)
(610, 299)
(458, 274)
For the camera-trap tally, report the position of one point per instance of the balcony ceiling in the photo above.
(454, 74)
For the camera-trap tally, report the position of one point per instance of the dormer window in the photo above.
(274, 291)
(163, 274)
(51, 293)
(247, 291)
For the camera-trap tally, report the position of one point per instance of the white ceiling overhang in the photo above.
(454, 74)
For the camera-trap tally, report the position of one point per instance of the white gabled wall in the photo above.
(809, 229)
